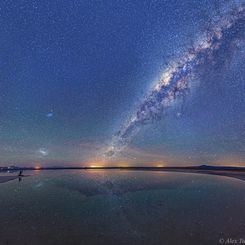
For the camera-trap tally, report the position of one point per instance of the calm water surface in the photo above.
(121, 207)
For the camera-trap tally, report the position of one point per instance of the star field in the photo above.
(74, 73)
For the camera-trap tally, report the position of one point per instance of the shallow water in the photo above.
(121, 207)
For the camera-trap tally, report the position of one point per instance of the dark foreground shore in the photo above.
(232, 172)
(4, 179)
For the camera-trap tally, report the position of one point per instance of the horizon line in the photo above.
(195, 167)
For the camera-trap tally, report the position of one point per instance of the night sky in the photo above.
(74, 73)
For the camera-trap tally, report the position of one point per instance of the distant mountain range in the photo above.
(201, 167)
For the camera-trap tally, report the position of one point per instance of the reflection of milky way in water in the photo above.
(65, 207)
(117, 187)
(177, 80)
(105, 183)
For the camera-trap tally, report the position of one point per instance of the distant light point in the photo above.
(50, 114)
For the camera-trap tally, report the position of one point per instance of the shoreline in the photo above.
(4, 179)
(232, 172)
(147, 168)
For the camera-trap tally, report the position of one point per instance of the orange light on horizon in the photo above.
(159, 165)
(37, 167)
(98, 164)
(95, 166)
(122, 164)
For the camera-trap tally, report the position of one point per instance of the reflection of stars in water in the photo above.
(43, 152)
(38, 185)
